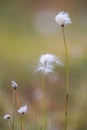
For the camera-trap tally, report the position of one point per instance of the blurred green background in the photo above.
(27, 30)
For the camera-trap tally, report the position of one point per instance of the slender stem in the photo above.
(67, 80)
(9, 124)
(17, 100)
(14, 95)
(21, 122)
(44, 101)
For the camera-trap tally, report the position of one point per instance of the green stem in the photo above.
(14, 96)
(67, 80)
(44, 101)
(9, 124)
(21, 122)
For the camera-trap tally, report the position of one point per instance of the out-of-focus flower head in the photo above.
(23, 109)
(14, 84)
(7, 116)
(47, 63)
(62, 19)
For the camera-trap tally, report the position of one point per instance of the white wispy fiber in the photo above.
(14, 84)
(23, 109)
(7, 116)
(63, 18)
(47, 62)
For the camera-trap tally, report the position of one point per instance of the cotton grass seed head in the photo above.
(47, 62)
(62, 19)
(23, 109)
(7, 116)
(14, 84)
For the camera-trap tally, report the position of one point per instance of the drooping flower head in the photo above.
(47, 63)
(14, 84)
(23, 109)
(7, 116)
(63, 18)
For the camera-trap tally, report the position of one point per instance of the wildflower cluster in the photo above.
(22, 110)
(46, 65)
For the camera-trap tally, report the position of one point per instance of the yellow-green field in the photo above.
(23, 38)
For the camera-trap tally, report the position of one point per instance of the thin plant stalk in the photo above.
(17, 100)
(9, 124)
(44, 100)
(67, 80)
(13, 113)
(22, 121)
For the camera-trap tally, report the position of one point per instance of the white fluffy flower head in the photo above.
(7, 116)
(14, 84)
(23, 109)
(47, 63)
(62, 18)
